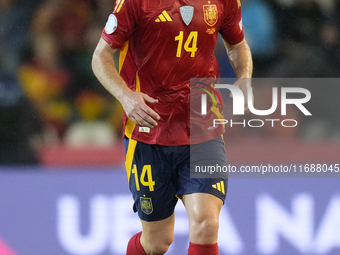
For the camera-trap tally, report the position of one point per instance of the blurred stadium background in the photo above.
(62, 184)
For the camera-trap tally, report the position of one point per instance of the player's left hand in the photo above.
(244, 84)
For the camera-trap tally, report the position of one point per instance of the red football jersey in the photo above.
(163, 44)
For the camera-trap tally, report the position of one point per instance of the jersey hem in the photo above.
(192, 141)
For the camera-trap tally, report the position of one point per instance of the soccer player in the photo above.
(164, 43)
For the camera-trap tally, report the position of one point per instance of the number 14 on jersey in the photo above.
(190, 44)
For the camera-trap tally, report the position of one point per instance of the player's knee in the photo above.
(159, 247)
(205, 229)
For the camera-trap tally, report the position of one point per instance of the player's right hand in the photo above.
(244, 84)
(138, 111)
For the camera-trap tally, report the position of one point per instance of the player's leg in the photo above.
(158, 235)
(155, 238)
(203, 211)
(150, 181)
(203, 197)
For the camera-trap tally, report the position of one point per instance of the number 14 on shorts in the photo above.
(146, 174)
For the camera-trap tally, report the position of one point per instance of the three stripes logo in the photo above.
(219, 186)
(164, 17)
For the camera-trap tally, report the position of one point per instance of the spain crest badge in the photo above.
(146, 205)
(210, 14)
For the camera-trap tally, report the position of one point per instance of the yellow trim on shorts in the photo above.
(129, 157)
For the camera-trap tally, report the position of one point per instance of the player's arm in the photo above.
(242, 63)
(133, 102)
(240, 59)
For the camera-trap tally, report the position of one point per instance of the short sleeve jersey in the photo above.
(163, 44)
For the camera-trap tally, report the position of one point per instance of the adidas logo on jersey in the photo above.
(219, 186)
(164, 17)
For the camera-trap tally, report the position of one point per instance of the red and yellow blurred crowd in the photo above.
(49, 95)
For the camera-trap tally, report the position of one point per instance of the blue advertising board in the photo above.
(89, 212)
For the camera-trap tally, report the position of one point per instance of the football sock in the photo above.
(134, 246)
(203, 249)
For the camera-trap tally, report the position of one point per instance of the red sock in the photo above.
(134, 246)
(203, 249)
